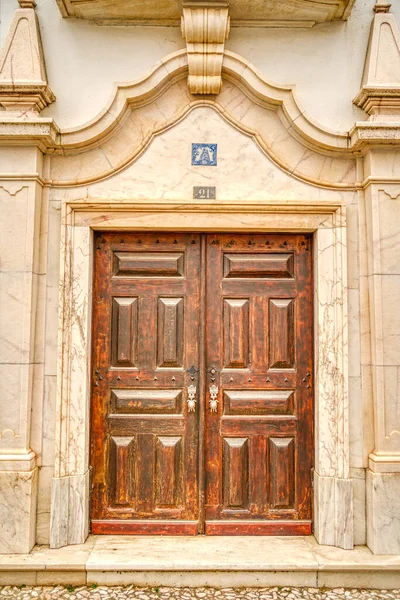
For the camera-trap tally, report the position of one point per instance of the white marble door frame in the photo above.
(333, 514)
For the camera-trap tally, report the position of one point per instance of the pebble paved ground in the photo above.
(164, 593)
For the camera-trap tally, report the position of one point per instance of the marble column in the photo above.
(20, 364)
(378, 143)
(69, 522)
(24, 92)
(333, 494)
(382, 206)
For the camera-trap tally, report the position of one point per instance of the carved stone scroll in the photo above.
(205, 27)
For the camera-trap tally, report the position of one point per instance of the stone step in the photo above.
(202, 561)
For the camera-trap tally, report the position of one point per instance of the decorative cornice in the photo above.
(205, 27)
(369, 133)
(25, 97)
(27, 3)
(40, 132)
(77, 208)
(382, 6)
(244, 13)
(23, 80)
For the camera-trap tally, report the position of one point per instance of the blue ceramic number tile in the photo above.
(204, 155)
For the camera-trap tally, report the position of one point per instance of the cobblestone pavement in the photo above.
(95, 592)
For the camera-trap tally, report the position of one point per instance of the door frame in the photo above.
(333, 498)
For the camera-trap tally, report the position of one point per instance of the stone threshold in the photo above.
(202, 561)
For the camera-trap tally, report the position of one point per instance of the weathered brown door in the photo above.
(259, 437)
(230, 315)
(144, 443)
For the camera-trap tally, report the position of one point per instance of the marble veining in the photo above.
(18, 493)
(383, 525)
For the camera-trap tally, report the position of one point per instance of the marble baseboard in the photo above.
(360, 506)
(69, 520)
(383, 512)
(78, 516)
(18, 498)
(59, 512)
(333, 511)
(333, 501)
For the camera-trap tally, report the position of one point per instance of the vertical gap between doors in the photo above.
(202, 383)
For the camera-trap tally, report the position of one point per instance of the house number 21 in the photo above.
(204, 192)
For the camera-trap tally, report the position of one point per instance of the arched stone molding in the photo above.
(268, 113)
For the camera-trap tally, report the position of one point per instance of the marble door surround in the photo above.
(333, 488)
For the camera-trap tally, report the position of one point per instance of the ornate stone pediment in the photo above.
(256, 13)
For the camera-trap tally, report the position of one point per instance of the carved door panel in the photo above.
(144, 439)
(259, 432)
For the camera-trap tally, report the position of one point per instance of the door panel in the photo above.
(124, 332)
(259, 447)
(281, 333)
(144, 441)
(236, 333)
(170, 332)
(236, 473)
(255, 292)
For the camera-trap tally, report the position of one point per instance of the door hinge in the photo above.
(312, 478)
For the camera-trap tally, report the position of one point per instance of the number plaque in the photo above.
(201, 192)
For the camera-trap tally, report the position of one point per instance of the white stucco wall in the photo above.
(7, 8)
(325, 63)
(84, 60)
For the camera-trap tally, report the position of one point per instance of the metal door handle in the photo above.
(191, 401)
(213, 398)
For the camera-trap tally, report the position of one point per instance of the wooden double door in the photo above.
(202, 404)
